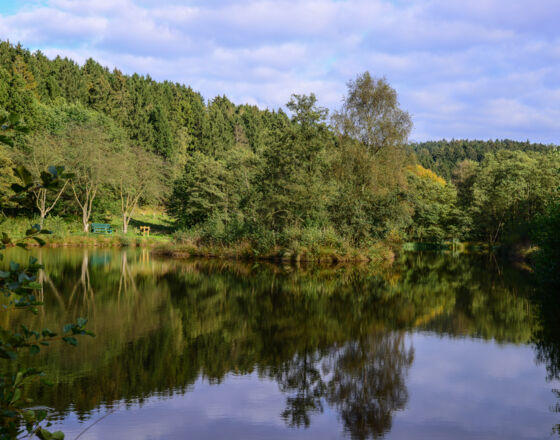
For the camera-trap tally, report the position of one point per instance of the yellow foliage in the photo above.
(424, 173)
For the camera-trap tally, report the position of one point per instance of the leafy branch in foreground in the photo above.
(18, 288)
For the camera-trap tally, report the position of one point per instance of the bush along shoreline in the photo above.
(377, 253)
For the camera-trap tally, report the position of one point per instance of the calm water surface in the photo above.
(435, 347)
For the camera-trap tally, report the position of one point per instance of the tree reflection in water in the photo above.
(368, 383)
(327, 336)
(546, 338)
(301, 377)
(364, 380)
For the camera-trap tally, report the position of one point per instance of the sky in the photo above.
(476, 69)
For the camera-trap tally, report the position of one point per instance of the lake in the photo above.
(436, 346)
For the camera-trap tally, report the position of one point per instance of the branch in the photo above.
(76, 195)
(57, 197)
(38, 192)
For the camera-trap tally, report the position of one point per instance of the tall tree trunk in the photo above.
(41, 203)
(128, 205)
(86, 206)
(85, 220)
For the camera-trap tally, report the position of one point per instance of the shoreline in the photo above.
(164, 246)
(105, 241)
(280, 258)
(243, 251)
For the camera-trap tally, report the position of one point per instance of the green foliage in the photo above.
(200, 192)
(370, 165)
(7, 176)
(443, 156)
(135, 175)
(19, 287)
(10, 126)
(510, 188)
(293, 186)
(371, 114)
(545, 231)
(436, 216)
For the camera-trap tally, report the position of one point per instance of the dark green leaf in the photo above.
(43, 434)
(17, 188)
(40, 241)
(24, 174)
(70, 340)
(16, 396)
(47, 333)
(5, 238)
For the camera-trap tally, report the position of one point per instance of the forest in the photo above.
(227, 173)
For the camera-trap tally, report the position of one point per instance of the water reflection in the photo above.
(546, 338)
(329, 337)
(368, 383)
(364, 380)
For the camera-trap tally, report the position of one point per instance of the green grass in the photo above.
(68, 232)
(158, 221)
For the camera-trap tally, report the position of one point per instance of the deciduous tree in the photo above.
(89, 151)
(136, 175)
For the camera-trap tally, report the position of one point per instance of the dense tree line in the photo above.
(163, 117)
(443, 156)
(230, 173)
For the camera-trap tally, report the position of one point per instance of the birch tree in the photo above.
(371, 114)
(136, 175)
(89, 154)
(45, 151)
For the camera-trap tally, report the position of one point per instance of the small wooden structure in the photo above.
(145, 231)
(101, 228)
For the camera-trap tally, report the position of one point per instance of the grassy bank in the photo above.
(100, 240)
(68, 233)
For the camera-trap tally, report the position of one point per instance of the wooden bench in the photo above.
(145, 230)
(101, 228)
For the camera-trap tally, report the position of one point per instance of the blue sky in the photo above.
(480, 69)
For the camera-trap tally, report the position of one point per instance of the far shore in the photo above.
(378, 253)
